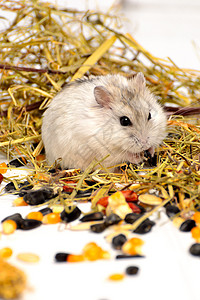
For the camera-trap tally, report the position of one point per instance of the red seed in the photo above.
(134, 208)
(1, 178)
(69, 186)
(130, 195)
(103, 201)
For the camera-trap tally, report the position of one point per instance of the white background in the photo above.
(164, 28)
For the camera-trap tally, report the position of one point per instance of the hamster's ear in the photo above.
(140, 80)
(102, 96)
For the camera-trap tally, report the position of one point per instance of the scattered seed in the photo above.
(61, 257)
(6, 252)
(19, 202)
(132, 246)
(118, 241)
(103, 201)
(135, 208)
(196, 217)
(172, 210)
(3, 168)
(29, 224)
(150, 199)
(18, 162)
(116, 277)
(75, 258)
(71, 216)
(187, 225)
(9, 226)
(98, 228)
(145, 227)
(195, 249)
(35, 215)
(132, 270)
(122, 256)
(10, 187)
(38, 196)
(1, 178)
(46, 211)
(112, 219)
(96, 216)
(195, 231)
(132, 217)
(52, 218)
(93, 252)
(130, 195)
(15, 217)
(28, 257)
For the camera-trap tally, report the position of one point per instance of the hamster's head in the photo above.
(134, 122)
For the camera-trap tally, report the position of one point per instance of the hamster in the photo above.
(91, 118)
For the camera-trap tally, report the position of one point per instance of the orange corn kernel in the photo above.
(52, 218)
(196, 216)
(75, 258)
(9, 226)
(3, 168)
(196, 233)
(133, 246)
(19, 202)
(92, 252)
(5, 252)
(35, 215)
(116, 277)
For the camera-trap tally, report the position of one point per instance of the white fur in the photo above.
(77, 129)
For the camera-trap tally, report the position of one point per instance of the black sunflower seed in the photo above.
(195, 249)
(187, 225)
(61, 257)
(171, 210)
(132, 217)
(15, 217)
(18, 162)
(70, 216)
(46, 211)
(38, 196)
(112, 219)
(132, 270)
(118, 241)
(96, 216)
(144, 227)
(28, 224)
(98, 228)
(126, 256)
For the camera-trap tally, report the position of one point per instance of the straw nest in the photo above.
(45, 47)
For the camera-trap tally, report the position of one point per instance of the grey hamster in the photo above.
(111, 114)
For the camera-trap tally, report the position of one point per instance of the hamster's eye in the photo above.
(125, 121)
(149, 116)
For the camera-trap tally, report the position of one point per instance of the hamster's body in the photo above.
(110, 114)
